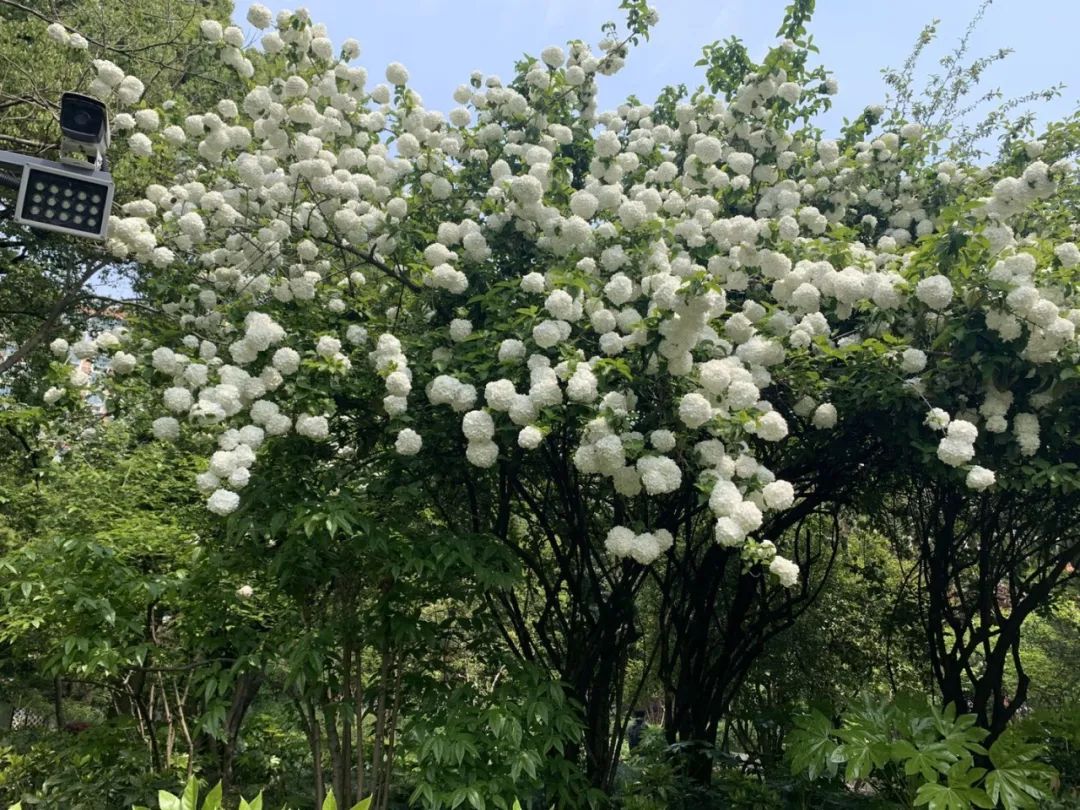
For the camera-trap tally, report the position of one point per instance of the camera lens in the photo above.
(81, 118)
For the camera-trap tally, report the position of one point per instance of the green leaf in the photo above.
(329, 803)
(190, 800)
(167, 801)
(363, 804)
(1017, 781)
(213, 798)
(949, 797)
(811, 745)
(928, 761)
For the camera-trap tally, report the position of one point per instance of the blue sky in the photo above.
(442, 41)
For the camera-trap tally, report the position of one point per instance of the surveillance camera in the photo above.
(84, 122)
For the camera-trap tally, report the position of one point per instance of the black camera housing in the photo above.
(85, 120)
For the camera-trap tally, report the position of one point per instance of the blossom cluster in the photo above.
(656, 303)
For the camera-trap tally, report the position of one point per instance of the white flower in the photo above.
(582, 385)
(261, 332)
(913, 361)
(483, 453)
(772, 427)
(147, 119)
(245, 592)
(52, 395)
(177, 400)
(398, 384)
(312, 427)
(122, 363)
(547, 333)
(59, 347)
(723, 499)
(396, 74)
(327, 346)
(934, 291)
(1068, 254)
(937, 418)
(259, 16)
(84, 349)
(963, 431)
(553, 56)
(824, 416)
(954, 451)
(560, 305)
(408, 442)
(286, 360)
(511, 350)
(530, 437)
(460, 329)
(108, 73)
(662, 440)
(478, 426)
(740, 162)
(532, 283)
(239, 477)
(174, 135)
(747, 515)
(728, 532)
(166, 428)
(57, 33)
(500, 394)
(979, 478)
(694, 410)
(130, 90)
(223, 502)
(619, 541)
(708, 149)
(211, 30)
(659, 474)
(778, 494)
(786, 571)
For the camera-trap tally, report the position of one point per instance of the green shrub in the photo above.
(917, 754)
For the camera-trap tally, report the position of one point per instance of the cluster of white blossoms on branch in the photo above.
(659, 300)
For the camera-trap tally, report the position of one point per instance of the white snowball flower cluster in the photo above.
(630, 305)
(980, 478)
(643, 548)
(313, 427)
(786, 571)
(408, 442)
(958, 445)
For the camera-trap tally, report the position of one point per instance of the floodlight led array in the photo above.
(68, 200)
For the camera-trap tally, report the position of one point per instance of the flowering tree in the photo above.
(660, 338)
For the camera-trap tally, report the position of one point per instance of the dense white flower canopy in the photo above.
(672, 283)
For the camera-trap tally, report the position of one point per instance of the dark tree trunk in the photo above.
(244, 693)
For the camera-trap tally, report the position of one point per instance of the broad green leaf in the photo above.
(1018, 780)
(929, 761)
(948, 797)
(811, 745)
(363, 804)
(329, 803)
(167, 801)
(213, 798)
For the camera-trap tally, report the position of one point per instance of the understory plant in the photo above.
(915, 753)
